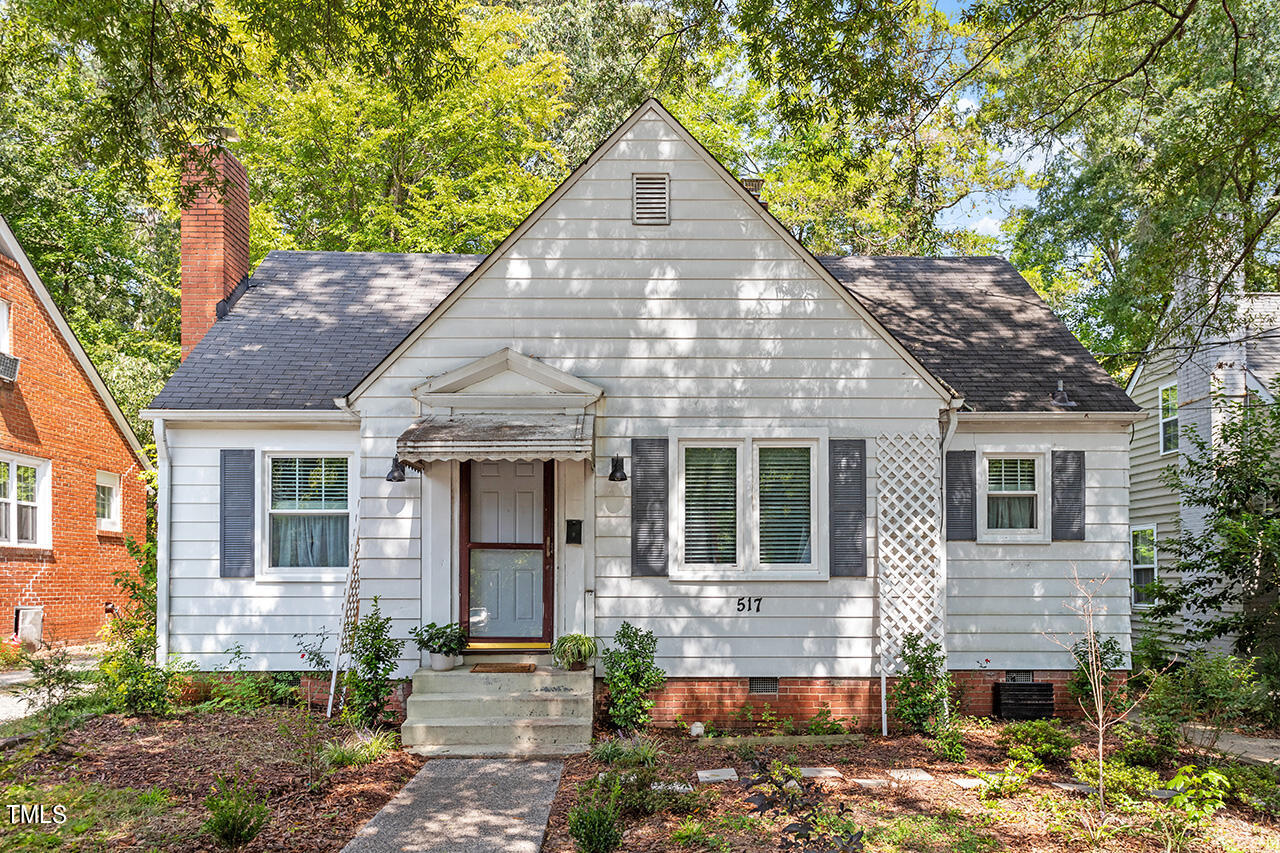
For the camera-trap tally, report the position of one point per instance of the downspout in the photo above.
(163, 536)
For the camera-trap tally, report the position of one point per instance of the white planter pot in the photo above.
(442, 663)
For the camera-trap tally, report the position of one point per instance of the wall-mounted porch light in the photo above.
(396, 474)
(616, 472)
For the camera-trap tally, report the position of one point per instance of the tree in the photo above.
(346, 163)
(1229, 570)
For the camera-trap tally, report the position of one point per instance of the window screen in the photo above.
(786, 505)
(711, 505)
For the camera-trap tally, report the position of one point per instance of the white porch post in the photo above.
(437, 543)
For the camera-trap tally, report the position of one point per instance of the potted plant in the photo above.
(572, 651)
(443, 642)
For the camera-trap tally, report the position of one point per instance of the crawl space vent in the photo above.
(1018, 676)
(762, 685)
(651, 199)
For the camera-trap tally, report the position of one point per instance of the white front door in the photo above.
(506, 550)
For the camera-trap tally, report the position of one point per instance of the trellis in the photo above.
(910, 570)
(350, 615)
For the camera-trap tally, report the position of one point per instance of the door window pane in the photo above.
(711, 505)
(786, 505)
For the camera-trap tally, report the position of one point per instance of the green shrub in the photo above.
(627, 752)
(919, 698)
(1256, 787)
(1152, 743)
(1009, 782)
(236, 814)
(1039, 741)
(595, 823)
(822, 723)
(644, 791)
(373, 658)
(1200, 796)
(948, 744)
(53, 683)
(629, 674)
(1218, 691)
(1119, 780)
(130, 675)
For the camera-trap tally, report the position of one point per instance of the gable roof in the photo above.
(978, 324)
(10, 246)
(313, 327)
(655, 107)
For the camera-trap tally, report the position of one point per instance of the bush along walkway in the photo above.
(466, 805)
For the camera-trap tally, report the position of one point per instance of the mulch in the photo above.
(1013, 824)
(184, 755)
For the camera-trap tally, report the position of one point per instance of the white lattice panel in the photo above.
(909, 543)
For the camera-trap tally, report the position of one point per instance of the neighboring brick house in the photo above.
(70, 490)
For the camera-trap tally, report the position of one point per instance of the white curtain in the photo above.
(308, 541)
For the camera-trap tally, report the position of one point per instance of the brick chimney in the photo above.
(215, 239)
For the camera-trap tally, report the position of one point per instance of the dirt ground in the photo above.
(175, 761)
(917, 816)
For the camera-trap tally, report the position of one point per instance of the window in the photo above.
(1169, 419)
(747, 505)
(107, 501)
(1011, 494)
(1142, 562)
(6, 329)
(651, 199)
(24, 502)
(308, 519)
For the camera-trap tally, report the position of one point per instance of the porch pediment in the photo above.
(505, 381)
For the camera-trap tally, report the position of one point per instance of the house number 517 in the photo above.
(747, 604)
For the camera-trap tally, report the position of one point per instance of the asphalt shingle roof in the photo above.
(311, 325)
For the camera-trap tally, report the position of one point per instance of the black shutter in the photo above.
(962, 494)
(649, 507)
(848, 522)
(1068, 494)
(237, 514)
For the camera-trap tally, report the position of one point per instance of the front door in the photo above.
(506, 559)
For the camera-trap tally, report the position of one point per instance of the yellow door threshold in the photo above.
(504, 647)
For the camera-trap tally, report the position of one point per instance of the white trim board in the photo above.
(10, 246)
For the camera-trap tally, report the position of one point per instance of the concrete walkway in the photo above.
(1251, 750)
(466, 805)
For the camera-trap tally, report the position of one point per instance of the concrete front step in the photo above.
(488, 750)
(425, 707)
(506, 732)
(463, 680)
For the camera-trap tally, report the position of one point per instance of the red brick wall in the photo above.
(52, 412)
(720, 700)
(215, 242)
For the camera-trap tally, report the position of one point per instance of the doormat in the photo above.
(504, 667)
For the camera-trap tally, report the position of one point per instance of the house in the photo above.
(649, 404)
(71, 493)
(1189, 391)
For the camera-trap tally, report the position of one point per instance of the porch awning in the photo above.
(522, 435)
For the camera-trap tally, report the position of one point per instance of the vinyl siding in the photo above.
(1151, 502)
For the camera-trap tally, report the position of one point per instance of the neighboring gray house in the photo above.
(1179, 390)
(649, 404)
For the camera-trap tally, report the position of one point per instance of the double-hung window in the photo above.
(747, 507)
(308, 516)
(1012, 502)
(24, 502)
(1142, 561)
(1168, 419)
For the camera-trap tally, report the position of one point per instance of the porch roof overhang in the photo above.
(516, 435)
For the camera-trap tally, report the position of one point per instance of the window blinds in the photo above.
(786, 505)
(711, 505)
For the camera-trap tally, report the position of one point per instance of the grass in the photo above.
(695, 835)
(97, 818)
(358, 749)
(928, 834)
(627, 752)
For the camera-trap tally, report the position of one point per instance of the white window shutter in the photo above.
(651, 199)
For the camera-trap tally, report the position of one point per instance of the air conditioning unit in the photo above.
(9, 367)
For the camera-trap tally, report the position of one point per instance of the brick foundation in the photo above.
(721, 701)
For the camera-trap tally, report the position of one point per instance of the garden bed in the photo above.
(930, 816)
(138, 783)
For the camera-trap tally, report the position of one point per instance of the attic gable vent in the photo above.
(651, 199)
